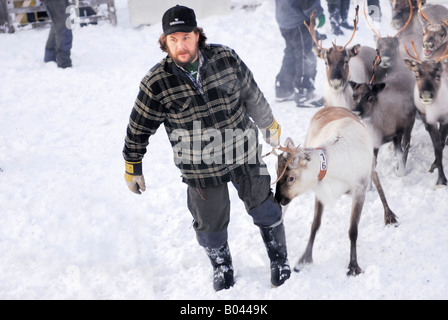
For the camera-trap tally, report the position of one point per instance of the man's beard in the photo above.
(186, 63)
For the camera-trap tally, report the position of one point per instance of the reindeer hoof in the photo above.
(353, 269)
(302, 261)
(400, 172)
(433, 167)
(390, 219)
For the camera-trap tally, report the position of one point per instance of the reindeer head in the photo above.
(365, 97)
(337, 64)
(435, 37)
(402, 12)
(388, 48)
(294, 179)
(428, 74)
(336, 58)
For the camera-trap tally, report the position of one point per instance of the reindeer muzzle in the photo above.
(336, 84)
(426, 97)
(385, 62)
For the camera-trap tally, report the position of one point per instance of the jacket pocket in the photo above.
(229, 91)
(181, 110)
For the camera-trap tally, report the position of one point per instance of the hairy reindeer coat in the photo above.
(340, 144)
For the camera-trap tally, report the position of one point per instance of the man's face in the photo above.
(183, 47)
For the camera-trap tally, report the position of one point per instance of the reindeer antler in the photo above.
(376, 63)
(310, 28)
(409, 20)
(444, 54)
(415, 56)
(420, 10)
(445, 22)
(292, 152)
(355, 24)
(368, 23)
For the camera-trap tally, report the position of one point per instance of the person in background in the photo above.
(338, 10)
(295, 81)
(206, 89)
(60, 39)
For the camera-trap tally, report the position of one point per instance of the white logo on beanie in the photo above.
(176, 22)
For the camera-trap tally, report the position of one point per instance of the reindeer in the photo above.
(389, 50)
(388, 110)
(403, 17)
(337, 159)
(342, 65)
(385, 103)
(430, 96)
(435, 40)
(435, 36)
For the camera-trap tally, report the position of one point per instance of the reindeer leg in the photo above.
(307, 257)
(406, 141)
(444, 134)
(358, 204)
(438, 151)
(389, 216)
(399, 155)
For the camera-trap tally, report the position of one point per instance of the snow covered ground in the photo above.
(70, 228)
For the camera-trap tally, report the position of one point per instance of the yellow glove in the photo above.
(134, 177)
(272, 133)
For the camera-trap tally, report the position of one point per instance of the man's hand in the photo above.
(272, 133)
(134, 177)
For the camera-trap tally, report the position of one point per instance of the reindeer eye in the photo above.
(291, 179)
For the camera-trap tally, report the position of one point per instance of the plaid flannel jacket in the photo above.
(230, 103)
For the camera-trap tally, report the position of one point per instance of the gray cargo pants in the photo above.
(210, 207)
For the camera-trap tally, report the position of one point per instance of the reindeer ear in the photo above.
(319, 52)
(301, 159)
(289, 143)
(378, 87)
(354, 85)
(411, 64)
(354, 51)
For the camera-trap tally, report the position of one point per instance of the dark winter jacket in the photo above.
(231, 103)
(292, 13)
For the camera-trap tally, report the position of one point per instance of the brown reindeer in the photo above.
(388, 110)
(342, 65)
(390, 51)
(404, 11)
(435, 36)
(431, 96)
(386, 103)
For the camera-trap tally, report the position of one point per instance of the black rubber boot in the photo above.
(275, 242)
(221, 261)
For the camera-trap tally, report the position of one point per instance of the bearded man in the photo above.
(201, 90)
